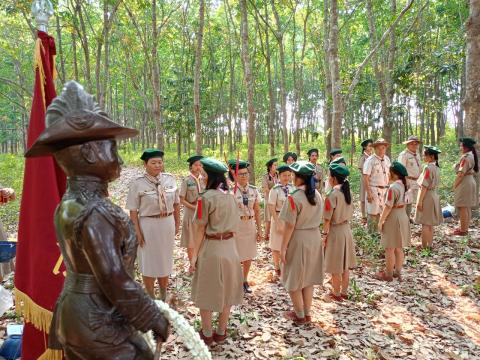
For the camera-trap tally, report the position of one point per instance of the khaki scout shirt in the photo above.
(378, 170)
(413, 165)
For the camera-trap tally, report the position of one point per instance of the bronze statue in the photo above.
(102, 308)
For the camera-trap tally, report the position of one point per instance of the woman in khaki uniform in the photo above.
(155, 211)
(191, 186)
(338, 239)
(276, 198)
(302, 249)
(248, 199)
(289, 157)
(217, 280)
(465, 187)
(366, 152)
(394, 224)
(428, 211)
(268, 182)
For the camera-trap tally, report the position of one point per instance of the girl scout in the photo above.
(466, 195)
(269, 180)
(428, 211)
(191, 186)
(248, 199)
(154, 209)
(338, 239)
(289, 158)
(302, 250)
(394, 225)
(276, 199)
(217, 280)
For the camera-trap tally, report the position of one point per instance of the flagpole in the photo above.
(42, 11)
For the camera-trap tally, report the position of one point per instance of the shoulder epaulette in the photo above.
(252, 186)
(276, 186)
(293, 191)
(330, 191)
(167, 174)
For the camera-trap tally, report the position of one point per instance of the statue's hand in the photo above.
(161, 331)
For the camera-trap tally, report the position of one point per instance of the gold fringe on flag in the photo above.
(50, 354)
(33, 313)
(38, 65)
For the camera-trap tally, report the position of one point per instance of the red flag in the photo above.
(39, 275)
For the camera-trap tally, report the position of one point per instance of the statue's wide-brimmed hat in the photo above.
(75, 118)
(380, 141)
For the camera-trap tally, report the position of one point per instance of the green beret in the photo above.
(339, 169)
(271, 161)
(242, 164)
(309, 152)
(339, 160)
(365, 142)
(467, 141)
(335, 151)
(302, 168)
(151, 153)
(283, 168)
(398, 167)
(432, 149)
(192, 159)
(213, 165)
(290, 154)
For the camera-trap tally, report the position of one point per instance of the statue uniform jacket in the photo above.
(101, 306)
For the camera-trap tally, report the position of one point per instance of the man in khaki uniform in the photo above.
(376, 173)
(410, 158)
(313, 158)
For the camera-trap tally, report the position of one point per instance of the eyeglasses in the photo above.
(243, 174)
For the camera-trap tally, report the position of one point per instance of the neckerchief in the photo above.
(415, 157)
(197, 181)
(382, 161)
(162, 201)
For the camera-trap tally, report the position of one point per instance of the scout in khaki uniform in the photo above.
(366, 152)
(191, 186)
(336, 156)
(318, 176)
(217, 280)
(155, 211)
(410, 158)
(465, 187)
(376, 179)
(276, 199)
(428, 211)
(302, 248)
(268, 181)
(338, 239)
(394, 225)
(289, 157)
(249, 233)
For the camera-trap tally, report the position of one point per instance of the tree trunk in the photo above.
(196, 79)
(249, 85)
(157, 115)
(327, 111)
(337, 108)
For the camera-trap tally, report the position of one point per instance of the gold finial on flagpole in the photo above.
(42, 10)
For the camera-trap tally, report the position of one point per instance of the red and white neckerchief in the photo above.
(162, 200)
(415, 157)
(197, 181)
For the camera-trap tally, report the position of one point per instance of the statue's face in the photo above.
(108, 161)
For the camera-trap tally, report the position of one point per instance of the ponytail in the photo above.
(309, 181)
(345, 186)
(400, 177)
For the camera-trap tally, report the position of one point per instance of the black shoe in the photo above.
(246, 288)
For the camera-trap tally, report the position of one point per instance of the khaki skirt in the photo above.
(304, 258)
(396, 229)
(246, 239)
(363, 191)
(218, 279)
(466, 192)
(340, 250)
(155, 258)
(266, 212)
(188, 236)
(432, 211)
(276, 236)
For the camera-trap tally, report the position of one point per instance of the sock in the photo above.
(163, 294)
(300, 314)
(207, 333)
(245, 280)
(306, 312)
(220, 332)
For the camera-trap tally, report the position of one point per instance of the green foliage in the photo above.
(11, 175)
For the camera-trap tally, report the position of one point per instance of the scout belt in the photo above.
(245, 217)
(81, 283)
(379, 187)
(340, 223)
(160, 215)
(220, 236)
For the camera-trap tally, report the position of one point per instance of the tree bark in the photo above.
(196, 79)
(157, 115)
(327, 110)
(337, 106)
(249, 85)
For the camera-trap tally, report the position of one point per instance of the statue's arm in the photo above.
(103, 254)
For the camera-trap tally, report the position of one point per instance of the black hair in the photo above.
(216, 180)
(365, 147)
(432, 153)
(309, 182)
(269, 166)
(345, 186)
(475, 156)
(401, 177)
